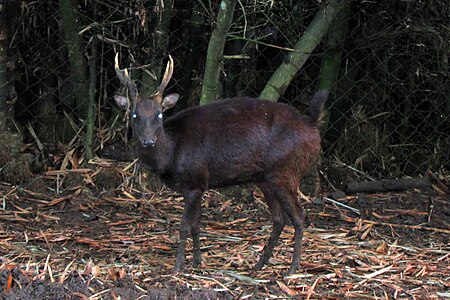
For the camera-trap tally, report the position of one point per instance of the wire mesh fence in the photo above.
(388, 117)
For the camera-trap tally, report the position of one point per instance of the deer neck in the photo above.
(157, 158)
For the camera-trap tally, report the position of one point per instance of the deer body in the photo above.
(229, 142)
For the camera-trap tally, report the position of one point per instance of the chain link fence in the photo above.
(388, 117)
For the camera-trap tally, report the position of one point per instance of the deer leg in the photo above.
(279, 222)
(299, 223)
(195, 232)
(296, 214)
(287, 198)
(190, 222)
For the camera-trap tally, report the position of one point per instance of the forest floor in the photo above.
(90, 234)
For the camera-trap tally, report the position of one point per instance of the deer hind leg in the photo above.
(298, 219)
(190, 225)
(279, 221)
(285, 191)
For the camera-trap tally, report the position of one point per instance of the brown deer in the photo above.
(227, 142)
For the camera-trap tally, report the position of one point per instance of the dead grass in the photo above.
(89, 243)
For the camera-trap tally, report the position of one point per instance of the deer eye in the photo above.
(134, 115)
(159, 116)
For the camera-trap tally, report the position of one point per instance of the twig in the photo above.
(355, 170)
(33, 133)
(355, 210)
(349, 219)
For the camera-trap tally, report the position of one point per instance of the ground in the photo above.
(94, 234)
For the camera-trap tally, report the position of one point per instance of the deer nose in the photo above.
(148, 143)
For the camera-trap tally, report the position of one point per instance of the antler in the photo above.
(166, 78)
(126, 81)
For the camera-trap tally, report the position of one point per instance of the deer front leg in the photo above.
(190, 225)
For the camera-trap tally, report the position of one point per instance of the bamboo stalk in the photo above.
(215, 51)
(295, 60)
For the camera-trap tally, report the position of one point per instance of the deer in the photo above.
(224, 143)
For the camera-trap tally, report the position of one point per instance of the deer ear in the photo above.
(122, 101)
(169, 101)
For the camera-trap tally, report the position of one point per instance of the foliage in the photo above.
(392, 84)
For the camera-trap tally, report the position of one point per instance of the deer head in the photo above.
(147, 113)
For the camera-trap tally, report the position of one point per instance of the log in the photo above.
(388, 185)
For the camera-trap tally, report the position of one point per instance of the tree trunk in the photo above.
(47, 130)
(13, 168)
(329, 73)
(334, 46)
(190, 81)
(215, 51)
(73, 43)
(303, 48)
(4, 82)
(8, 20)
(158, 46)
(90, 122)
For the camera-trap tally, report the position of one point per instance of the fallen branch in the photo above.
(387, 185)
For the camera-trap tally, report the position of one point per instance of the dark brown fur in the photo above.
(229, 142)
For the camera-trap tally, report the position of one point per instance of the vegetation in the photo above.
(386, 62)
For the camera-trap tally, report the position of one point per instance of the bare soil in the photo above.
(91, 241)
